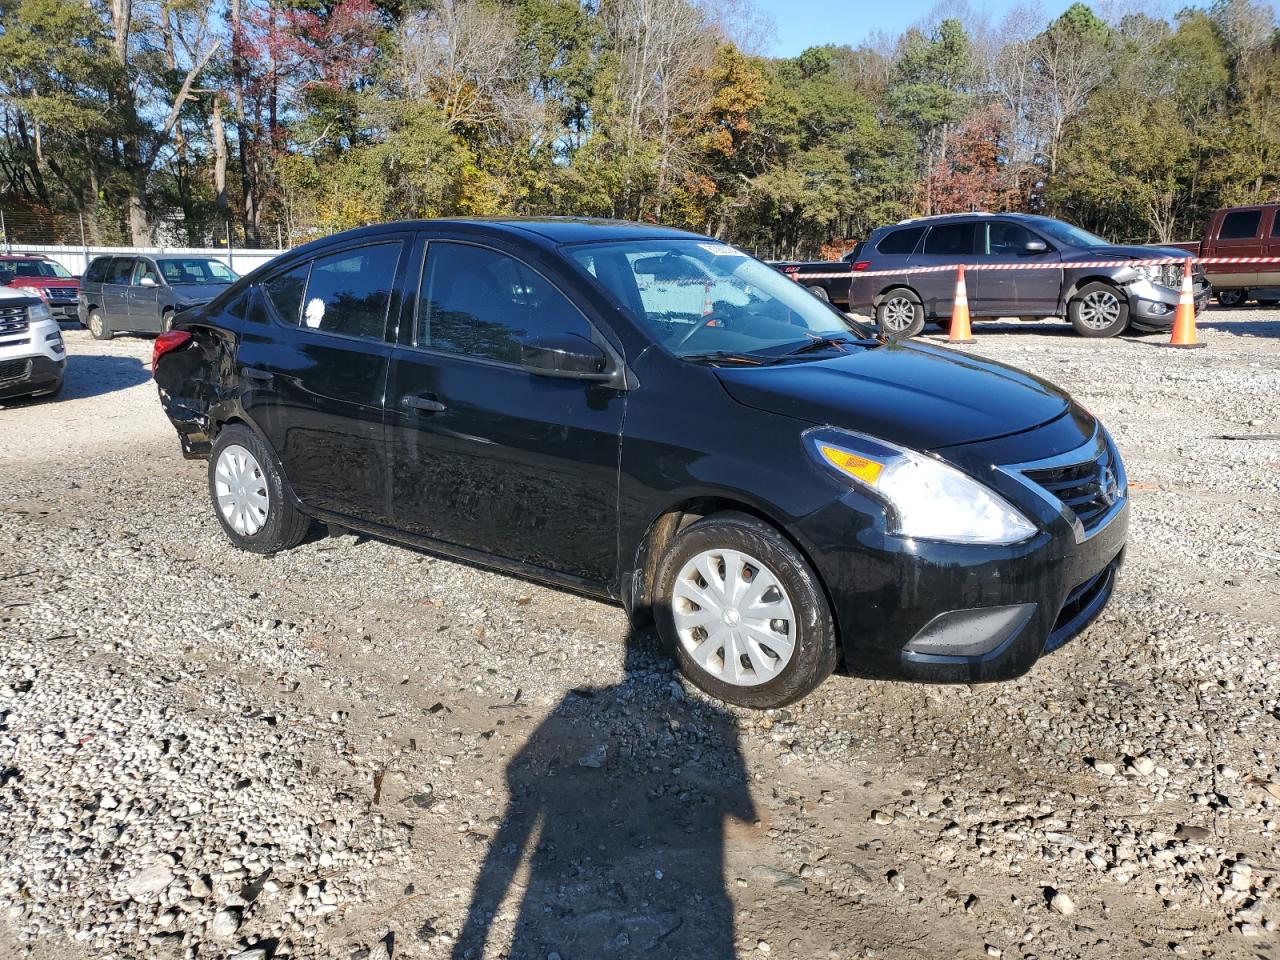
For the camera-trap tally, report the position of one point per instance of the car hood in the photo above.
(197, 293)
(915, 395)
(1123, 252)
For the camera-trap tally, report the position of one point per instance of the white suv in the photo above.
(32, 354)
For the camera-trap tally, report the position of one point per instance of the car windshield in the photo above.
(32, 268)
(195, 270)
(700, 298)
(1066, 234)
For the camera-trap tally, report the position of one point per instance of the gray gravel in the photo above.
(357, 750)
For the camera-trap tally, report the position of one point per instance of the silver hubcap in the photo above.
(241, 490)
(733, 617)
(899, 313)
(1099, 310)
(95, 324)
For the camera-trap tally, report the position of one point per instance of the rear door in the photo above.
(313, 362)
(1239, 235)
(144, 298)
(947, 243)
(115, 292)
(486, 453)
(1269, 273)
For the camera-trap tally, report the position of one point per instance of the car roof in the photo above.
(23, 256)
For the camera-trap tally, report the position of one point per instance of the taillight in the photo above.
(167, 342)
(862, 265)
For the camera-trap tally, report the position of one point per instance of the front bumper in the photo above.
(1153, 306)
(995, 609)
(27, 376)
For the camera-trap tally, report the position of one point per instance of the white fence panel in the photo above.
(76, 259)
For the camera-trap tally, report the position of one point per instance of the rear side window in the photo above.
(285, 292)
(950, 239)
(900, 241)
(348, 292)
(1240, 225)
(1275, 227)
(121, 268)
(97, 271)
(481, 303)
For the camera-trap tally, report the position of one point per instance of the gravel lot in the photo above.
(355, 750)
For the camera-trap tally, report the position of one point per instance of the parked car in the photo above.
(1099, 301)
(142, 294)
(780, 488)
(43, 278)
(1242, 232)
(832, 289)
(33, 357)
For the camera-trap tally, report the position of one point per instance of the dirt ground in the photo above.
(355, 749)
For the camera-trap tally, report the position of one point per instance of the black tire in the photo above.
(1231, 298)
(820, 293)
(814, 652)
(99, 326)
(1098, 310)
(166, 321)
(900, 303)
(284, 526)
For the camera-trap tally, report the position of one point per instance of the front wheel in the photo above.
(1098, 310)
(900, 314)
(247, 490)
(1231, 298)
(744, 613)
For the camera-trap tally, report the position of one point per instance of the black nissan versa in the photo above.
(653, 417)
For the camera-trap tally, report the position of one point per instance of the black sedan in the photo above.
(655, 418)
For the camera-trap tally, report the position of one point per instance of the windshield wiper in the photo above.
(729, 356)
(819, 343)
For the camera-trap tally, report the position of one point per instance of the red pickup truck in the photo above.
(1241, 232)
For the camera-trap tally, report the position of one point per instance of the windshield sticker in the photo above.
(721, 250)
(315, 312)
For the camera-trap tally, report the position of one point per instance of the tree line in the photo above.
(155, 120)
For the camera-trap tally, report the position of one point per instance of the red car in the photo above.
(43, 278)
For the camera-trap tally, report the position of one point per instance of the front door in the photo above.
(1023, 292)
(1239, 235)
(313, 360)
(144, 297)
(1269, 273)
(484, 453)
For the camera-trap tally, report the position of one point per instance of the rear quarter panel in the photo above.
(197, 383)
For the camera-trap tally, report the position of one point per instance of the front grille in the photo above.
(1089, 489)
(15, 369)
(60, 294)
(13, 320)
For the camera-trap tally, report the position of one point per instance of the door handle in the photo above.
(425, 404)
(252, 373)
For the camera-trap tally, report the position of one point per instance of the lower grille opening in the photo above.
(1081, 605)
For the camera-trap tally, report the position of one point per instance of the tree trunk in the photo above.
(220, 160)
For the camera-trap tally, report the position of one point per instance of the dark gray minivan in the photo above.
(142, 294)
(1054, 279)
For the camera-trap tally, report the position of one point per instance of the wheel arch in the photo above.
(893, 287)
(1080, 282)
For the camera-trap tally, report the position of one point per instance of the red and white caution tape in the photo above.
(794, 274)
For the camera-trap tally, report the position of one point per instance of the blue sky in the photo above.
(807, 23)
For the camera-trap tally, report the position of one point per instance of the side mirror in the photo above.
(566, 355)
(1036, 246)
(146, 282)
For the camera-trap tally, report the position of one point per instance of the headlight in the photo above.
(38, 312)
(1154, 274)
(928, 499)
(32, 291)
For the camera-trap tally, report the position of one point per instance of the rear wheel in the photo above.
(1098, 310)
(1231, 298)
(166, 321)
(744, 613)
(98, 326)
(900, 314)
(820, 293)
(247, 490)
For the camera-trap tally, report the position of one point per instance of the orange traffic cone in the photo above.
(1184, 320)
(960, 331)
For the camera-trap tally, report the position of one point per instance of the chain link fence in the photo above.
(24, 227)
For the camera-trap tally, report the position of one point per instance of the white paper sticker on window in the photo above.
(721, 250)
(315, 312)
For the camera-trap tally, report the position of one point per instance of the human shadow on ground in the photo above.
(613, 841)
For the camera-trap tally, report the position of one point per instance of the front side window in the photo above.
(699, 297)
(481, 303)
(143, 271)
(1066, 234)
(196, 270)
(950, 240)
(1240, 225)
(1004, 239)
(348, 292)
